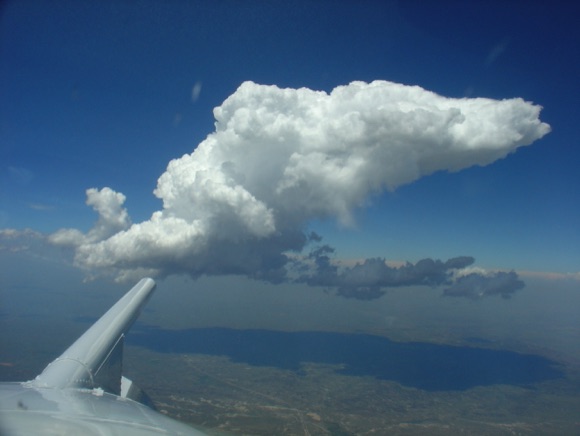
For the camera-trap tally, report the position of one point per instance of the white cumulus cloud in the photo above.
(112, 219)
(281, 157)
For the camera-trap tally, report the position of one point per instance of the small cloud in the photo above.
(41, 207)
(313, 236)
(476, 285)
(496, 52)
(13, 240)
(177, 118)
(20, 175)
(195, 91)
(34, 244)
(67, 238)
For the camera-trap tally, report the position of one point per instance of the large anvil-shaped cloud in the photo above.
(281, 157)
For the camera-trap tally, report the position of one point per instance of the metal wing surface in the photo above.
(83, 391)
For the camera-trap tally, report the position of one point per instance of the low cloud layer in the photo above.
(279, 158)
(370, 279)
(478, 285)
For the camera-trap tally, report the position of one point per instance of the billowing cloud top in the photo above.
(281, 157)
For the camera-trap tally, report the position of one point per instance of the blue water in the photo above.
(425, 366)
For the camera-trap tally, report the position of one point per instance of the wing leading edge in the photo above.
(95, 359)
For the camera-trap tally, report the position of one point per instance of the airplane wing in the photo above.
(83, 391)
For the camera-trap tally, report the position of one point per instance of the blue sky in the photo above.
(105, 94)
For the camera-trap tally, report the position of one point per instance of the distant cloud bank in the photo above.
(279, 158)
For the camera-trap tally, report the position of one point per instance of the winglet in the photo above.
(95, 359)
